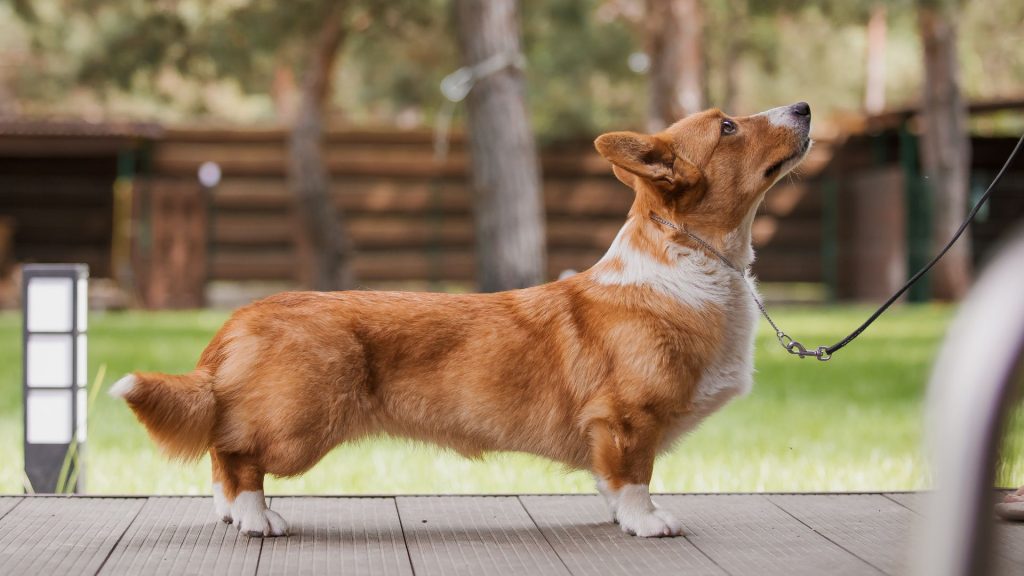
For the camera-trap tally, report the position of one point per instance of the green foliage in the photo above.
(216, 59)
(397, 65)
(170, 50)
(578, 78)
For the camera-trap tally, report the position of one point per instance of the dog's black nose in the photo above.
(801, 109)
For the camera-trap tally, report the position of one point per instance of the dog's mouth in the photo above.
(793, 158)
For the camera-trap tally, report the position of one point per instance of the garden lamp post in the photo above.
(54, 371)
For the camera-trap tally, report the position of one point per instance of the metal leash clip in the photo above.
(798, 349)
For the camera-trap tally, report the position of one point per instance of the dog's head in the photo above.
(710, 168)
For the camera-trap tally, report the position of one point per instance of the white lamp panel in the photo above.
(83, 411)
(49, 360)
(83, 304)
(49, 416)
(82, 361)
(49, 304)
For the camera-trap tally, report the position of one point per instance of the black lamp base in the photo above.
(43, 463)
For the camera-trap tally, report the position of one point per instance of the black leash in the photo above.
(824, 353)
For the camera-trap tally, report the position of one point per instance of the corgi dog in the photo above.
(600, 371)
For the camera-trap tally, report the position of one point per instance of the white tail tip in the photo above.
(122, 387)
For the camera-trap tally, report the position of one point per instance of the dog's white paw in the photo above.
(675, 527)
(220, 503)
(653, 524)
(253, 518)
(278, 526)
(638, 516)
(262, 524)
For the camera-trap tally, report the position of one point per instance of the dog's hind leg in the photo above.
(623, 461)
(243, 491)
(220, 502)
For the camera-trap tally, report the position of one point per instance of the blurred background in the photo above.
(197, 154)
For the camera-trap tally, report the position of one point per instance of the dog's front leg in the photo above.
(611, 497)
(623, 461)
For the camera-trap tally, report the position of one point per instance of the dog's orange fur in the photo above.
(587, 374)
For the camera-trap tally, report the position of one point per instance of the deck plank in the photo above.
(1008, 536)
(725, 534)
(581, 532)
(474, 535)
(59, 535)
(337, 536)
(7, 503)
(748, 534)
(182, 536)
(911, 500)
(871, 526)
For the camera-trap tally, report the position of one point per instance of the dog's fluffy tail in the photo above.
(178, 411)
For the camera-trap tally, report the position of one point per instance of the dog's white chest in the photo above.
(732, 368)
(730, 372)
(697, 280)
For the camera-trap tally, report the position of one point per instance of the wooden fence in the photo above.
(855, 220)
(410, 217)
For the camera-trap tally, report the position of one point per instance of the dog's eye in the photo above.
(728, 126)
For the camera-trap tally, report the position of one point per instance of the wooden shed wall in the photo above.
(863, 154)
(60, 208)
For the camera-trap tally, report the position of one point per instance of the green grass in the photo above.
(851, 424)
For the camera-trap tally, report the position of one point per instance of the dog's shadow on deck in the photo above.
(436, 536)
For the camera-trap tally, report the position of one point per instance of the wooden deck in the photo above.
(735, 534)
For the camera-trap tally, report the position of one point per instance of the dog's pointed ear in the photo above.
(624, 176)
(647, 157)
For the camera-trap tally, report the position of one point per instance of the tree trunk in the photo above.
(735, 44)
(284, 92)
(874, 79)
(675, 33)
(945, 149)
(505, 173)
(324, 245)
